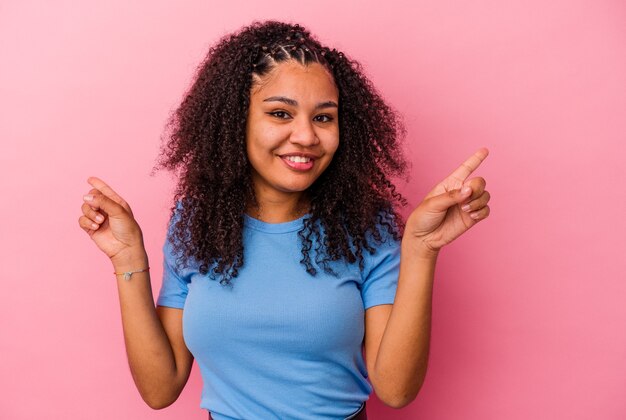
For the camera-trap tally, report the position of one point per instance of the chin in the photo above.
(294, 188)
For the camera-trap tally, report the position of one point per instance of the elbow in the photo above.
(158, 404)
(396, 395)
(159, 394)
(398, 400)
(159, 400)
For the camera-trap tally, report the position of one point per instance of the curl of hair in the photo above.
(206, 147)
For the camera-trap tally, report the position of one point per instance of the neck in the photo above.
(274, 208)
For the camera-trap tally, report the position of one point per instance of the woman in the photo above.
(285, 254)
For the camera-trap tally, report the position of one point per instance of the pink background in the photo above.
(529, 305)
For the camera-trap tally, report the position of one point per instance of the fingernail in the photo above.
(466, 190)
(88, 197)
(466, 207)
(99, 219)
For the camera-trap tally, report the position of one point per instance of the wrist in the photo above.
(419, 249)
(130, 260)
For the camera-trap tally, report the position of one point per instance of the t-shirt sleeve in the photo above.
(380, 274)
(175, 286)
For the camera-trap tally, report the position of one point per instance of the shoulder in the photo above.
(386, 232)
(384, 243)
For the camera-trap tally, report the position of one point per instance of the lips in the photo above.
(299, 162)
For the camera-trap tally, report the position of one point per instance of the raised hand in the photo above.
(448, 211)
(109, 221)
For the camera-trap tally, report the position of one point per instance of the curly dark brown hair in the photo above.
(205, 145)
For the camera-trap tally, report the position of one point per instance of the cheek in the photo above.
(330, 150)
(332, 145)
(265, 139)
(258, 140)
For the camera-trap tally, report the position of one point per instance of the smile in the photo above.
(298, 163)
(299, 159)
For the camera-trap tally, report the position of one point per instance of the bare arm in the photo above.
(158, 358)
(159, 361)
(398, 337)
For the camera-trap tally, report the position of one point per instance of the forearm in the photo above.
(150, 355)
(402, 357)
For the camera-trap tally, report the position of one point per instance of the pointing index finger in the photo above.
(470, 165)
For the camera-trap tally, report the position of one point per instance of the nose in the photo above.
(304, 133)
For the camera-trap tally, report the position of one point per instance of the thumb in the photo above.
(450, 198)
(99, 201)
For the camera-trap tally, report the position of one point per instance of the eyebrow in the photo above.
(293, 102)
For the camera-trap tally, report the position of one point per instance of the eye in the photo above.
(323, 118)
(279, 114)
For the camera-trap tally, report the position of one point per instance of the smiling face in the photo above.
(292, 129)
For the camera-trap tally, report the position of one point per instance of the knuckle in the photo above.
(478, 185)
(83, 222)
(86, 208)
(98, 199)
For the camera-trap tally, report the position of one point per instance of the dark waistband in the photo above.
(360, 414)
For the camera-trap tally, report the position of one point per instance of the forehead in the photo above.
(292, 79)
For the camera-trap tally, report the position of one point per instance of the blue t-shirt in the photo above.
(280, 343)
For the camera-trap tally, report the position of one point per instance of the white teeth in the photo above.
(298, 159)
